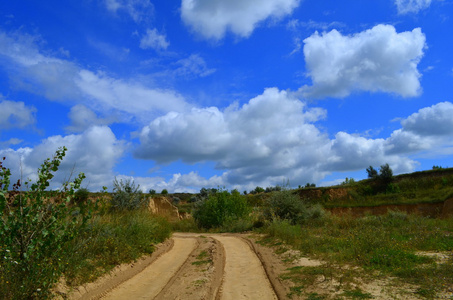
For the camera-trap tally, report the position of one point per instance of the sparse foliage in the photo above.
(35, 227)
(128, 196)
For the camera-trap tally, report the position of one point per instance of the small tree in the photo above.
(128, 196)
(372, 173)
(164, 192)
(35, 227)
(386, 173)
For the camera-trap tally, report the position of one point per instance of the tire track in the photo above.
(244, 275)
(151, 281)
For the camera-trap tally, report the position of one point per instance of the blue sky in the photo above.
(232, 93)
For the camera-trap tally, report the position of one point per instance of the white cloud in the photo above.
(138, 10)
(178, 183)
(82, 118)
(411, 6)
(375, 60)
(266, 140)
(94, 152)
(431, 128)
(213, 18)
(436, 120)
(10, 142)
(131, 98)
(352, 152)
(16, 114)
(153, 39)
(273, 137)
(194, 65)
(64, 81)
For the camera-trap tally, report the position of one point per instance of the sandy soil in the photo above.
(229, 266)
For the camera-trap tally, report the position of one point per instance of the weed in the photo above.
(357, 294)
(315, 296)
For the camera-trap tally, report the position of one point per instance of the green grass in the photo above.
(112, 239)
(385, 244)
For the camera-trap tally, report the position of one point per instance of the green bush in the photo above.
(128, 196)
(35, 229)
(219, 208)
(81, 195)
(285, 205)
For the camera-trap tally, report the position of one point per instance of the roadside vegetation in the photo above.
(73, 236)
(411, 249)
(51, 236)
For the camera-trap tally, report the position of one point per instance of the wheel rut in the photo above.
(244, 275)
(196, 266)
(151, 281)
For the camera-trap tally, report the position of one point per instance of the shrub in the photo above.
(152, 192)
(219, 208)
(285, 205)
(164, 192)
(128, 196)
(35, 229)
(81, 196)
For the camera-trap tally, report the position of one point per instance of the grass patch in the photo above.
(201, 259)
(388, 244)
(112, 239)
(357, 294)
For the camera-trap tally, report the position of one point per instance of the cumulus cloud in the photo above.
(153, 39)
(270, 137)
(375, 60)
(352, 152)
(411, 6)
(16, 114)
(429, 128)
(436, 120)
(94, 152)
(274, 137)
(64, 81)
(213, 18)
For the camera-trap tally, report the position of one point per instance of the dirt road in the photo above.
(195, 266)
(235, 266)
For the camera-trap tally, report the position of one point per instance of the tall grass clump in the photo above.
(36, 228)
(114, 238)
(221, 208)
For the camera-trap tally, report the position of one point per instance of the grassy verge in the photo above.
(382, 246)
(111, 239)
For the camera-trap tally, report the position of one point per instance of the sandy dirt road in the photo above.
(236, 266)
(212, 266)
